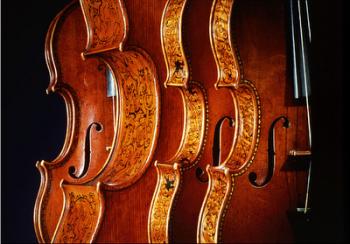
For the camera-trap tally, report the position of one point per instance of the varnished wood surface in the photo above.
(203, 69)
(24, 99)
(70, 76)
(126, 215)
(264, 63)
(68, 71)
(260, 31)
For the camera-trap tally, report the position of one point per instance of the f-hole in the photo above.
(271, 155)
(87, 152)
(216, 151)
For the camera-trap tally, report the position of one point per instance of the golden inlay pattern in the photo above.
(171, 35)
(194, 100)
(219, 190)
(81, 215)
(138, 119)
(106, 24)
(247, 134)
(228, 68)
(169, 177)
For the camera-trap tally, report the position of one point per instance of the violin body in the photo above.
(80, 104)
(260, 202)
(261, 37)
(94, 69)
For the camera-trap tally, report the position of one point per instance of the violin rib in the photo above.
(106, 25)
(81, 214)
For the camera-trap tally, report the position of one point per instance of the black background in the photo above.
(33, 124)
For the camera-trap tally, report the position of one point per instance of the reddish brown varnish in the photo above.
(91, 124)
(261, 214)
(254, 214)
(197, 44)
(126, 214)
(84, 107)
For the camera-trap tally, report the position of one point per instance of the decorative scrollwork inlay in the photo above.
(247, 130)
(81, 215)
(219, 190)
(194, 100)
(228, 68)
(169, 177)
(176, 62)
(106, 24)
(138, 123)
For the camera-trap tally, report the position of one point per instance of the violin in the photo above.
(112, 101)
(272, 135)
